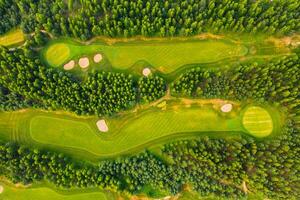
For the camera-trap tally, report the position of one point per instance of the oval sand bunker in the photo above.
(84, 62)
(146, 71)
(97, 58)
(70, 65)
(226, 108)
(102, 126)
(1, 189)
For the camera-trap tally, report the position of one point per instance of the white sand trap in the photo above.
(84, 62)
(146, 71)
(101, 124)
(97, 58)
(226, 108)
(70, 65)
(1, 189)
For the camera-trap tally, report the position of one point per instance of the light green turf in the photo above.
(57, 54)
(131, 133)
(44, 193)
(257, 121)
(12, 37)
(165, 55)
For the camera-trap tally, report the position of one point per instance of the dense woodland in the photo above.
(24, 81)
(276, 82)
(85, 18)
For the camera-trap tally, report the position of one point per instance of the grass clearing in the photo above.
(127, 133)
(166, 56)
(257, 121)
(11, 38)
(16, 193)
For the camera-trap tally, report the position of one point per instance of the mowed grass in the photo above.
(57, 54)
(129, 133)
(132, 132)
(12, 37)
(45, 193)
(166, 55)
(257, 121)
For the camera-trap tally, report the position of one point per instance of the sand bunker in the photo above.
(84, 62)
(97, 58)
(101, 124)
(70, 65)
(146, 71)
(226, 108)
(1, 189)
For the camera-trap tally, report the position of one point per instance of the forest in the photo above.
(120, 18)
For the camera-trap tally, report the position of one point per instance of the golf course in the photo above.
(135, 131)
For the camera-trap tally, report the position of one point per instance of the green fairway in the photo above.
(44, 193)
(257, 121)
(126, 133)
(12, 37)
(164, 55)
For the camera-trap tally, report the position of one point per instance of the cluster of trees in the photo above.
(211, 166)
(276, 82)
(87, 18)
(26, 82)
(10, 15)
(151, 88)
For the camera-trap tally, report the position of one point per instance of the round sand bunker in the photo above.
(226, 108)
(84, 62)
(102, 126)
(70, 65)
(1, 189)
(97, 58)
(146, 71)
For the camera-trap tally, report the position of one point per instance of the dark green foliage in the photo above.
(9, 15)
(151, 88)
(274, 82)
(153, 18)
(102, 93)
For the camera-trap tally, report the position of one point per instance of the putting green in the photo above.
(257, 121)
(12, 37)
(45, 193)
(166, 55)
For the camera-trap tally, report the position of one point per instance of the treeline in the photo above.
(85, 19)
(210, 166)
(275, 82)
(25, 82)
